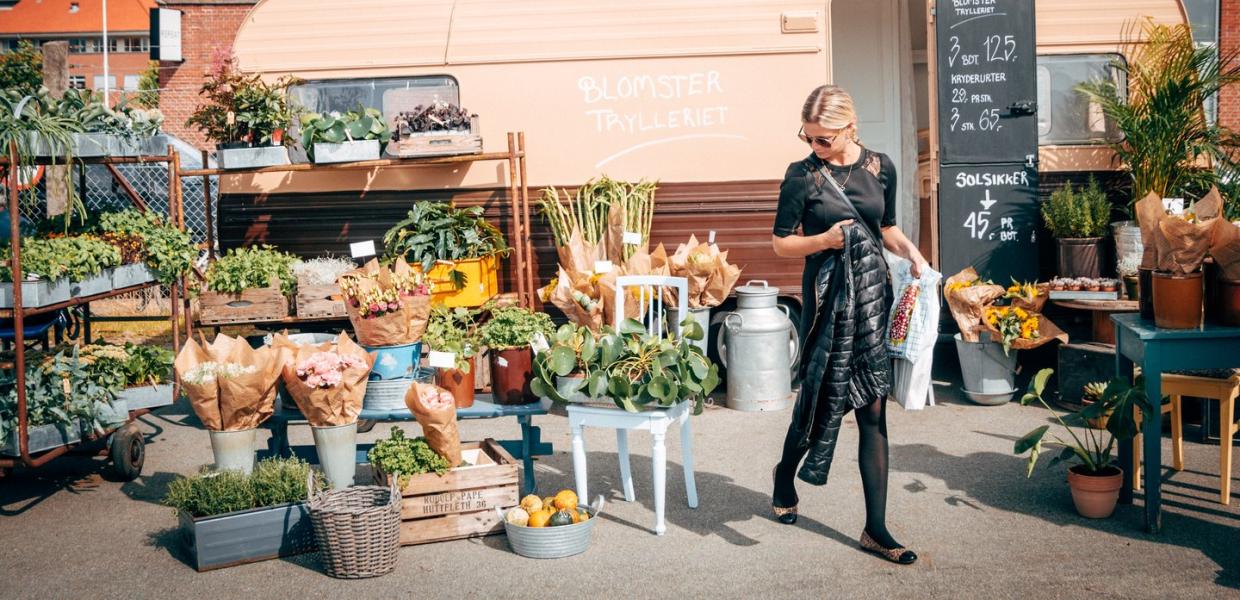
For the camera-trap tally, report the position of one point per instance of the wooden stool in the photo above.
(1178, 386)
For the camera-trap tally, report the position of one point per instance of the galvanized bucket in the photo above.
(233, 450)
(552, 542)
(989, 376)
(389, 394)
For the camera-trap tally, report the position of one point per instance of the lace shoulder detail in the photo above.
(872, 163)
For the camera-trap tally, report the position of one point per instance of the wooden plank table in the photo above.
(1101, 310)
(1158, 351)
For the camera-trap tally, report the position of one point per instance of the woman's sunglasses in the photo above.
(825, 142)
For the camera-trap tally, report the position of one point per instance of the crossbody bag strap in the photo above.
(843, 197)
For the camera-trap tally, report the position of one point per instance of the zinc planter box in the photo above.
(130, 275)
(42, 437)
(91, 145)
(251, 158)
(36, 293)
(247, 536)
(156, 145)
(146, 396)
(96, 284)
(353, 151)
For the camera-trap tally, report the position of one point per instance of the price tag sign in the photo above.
(711, 238)
(602, 266)
(1174, 206)
(362, 249)
(442, 360)
(501, 361)
(632, 238)
(539, 343)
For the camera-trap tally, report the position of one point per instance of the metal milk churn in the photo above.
(757, 344)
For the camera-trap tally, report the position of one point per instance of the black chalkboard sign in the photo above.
(988, 219)
(987, 100)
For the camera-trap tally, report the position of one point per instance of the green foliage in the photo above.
(21, 70)
(454, 330)
(78, 258)
(336, 128)
(274, 481)
(58, 391)
(30, 121)
(254, 267)
(1161, 113)
(1077, 213)
(437, 231)
(90, 110)
(118, 367)
(148, 86)
(1120, 401)
(405, 457)
(170, 252)
(242, 108)
(514, 327)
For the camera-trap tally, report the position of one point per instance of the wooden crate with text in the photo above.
(250, 306)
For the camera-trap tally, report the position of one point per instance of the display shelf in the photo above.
(7, 313)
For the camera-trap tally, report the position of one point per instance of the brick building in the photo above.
(207, 29)
(1229, 42)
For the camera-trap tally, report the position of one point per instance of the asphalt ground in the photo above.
(958, 496)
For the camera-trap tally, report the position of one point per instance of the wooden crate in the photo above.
(461, 503)
(448, 144)
(250, 306)
(320, 301)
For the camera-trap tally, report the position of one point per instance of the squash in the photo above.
(566, 500)
(517, 516)
(562, 517)
(539, 518)
(531, 503)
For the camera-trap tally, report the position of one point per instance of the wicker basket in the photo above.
(357, 529)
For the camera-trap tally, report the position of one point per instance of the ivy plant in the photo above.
(254, 267)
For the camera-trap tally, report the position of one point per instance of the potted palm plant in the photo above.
(1078, 219)
(1096, 480)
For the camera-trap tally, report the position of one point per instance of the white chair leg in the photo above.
(686, 450)
(659, 467)
(579, 463)
(626, 473)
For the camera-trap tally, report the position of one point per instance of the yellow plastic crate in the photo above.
(481, 282)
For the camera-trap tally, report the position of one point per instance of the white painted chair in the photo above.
(656, 421)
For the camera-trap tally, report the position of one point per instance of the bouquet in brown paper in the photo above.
(1226, 249)
(577, 295)
(387, 307)
(967, 297)
(1177, 242)
(710, 276)
(1020, 329)
(435, 410)
(231, 386)
(1028, 296)
(327, 381)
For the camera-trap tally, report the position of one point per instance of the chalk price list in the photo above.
(978, 222)
(969, 90)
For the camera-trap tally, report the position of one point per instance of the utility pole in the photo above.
(105, 53)
(56, 78)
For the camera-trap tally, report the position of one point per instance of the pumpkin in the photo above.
(539, 518)
(531, 503)
(561, 518)
(583, 514)
(517, 516)
(566, 500)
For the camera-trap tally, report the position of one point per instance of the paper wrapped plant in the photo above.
(387, 306)
(231, 386)
(327, 381)
(1177, 241)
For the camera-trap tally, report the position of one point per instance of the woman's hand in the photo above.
(919, 264)
(833, 239)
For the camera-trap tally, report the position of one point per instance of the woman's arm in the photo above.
(800, 246)
(895, 241)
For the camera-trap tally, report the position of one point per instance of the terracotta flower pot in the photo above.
(1080, 257)
(460, 383)
(1095, 495)
(511, 373)
(1227, 298)
(1177, 300)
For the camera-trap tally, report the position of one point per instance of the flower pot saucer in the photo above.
(991, 398)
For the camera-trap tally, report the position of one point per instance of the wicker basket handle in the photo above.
(310, 487)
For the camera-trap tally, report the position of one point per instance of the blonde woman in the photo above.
(837, 211)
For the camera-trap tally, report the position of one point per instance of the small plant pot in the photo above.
(337, 449)
(247, 536)
(352, 151)
(459, 383)
(1227, 299)
(251, 158)
(1132, 287)
(1080, 257)
(1095, 495)
(1145, 293)
(1177, 300)
(395, 362)
(511, 374)
(233, 450)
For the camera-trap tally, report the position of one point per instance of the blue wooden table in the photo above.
(525, 449)
(1158, 351)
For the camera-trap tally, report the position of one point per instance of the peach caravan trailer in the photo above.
(703, 96)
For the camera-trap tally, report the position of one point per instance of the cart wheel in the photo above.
(128, 452)
(365, 425)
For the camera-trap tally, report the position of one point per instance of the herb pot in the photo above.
(1132, 287)
(1080, 257)
(1145, 293)
(1095, 495)
(233, 450)
(1177, 300)
(247, 536)
(459, 383)
(337, 449)
(512, 371)
(1227, 299)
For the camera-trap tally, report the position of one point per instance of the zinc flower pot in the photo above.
(356, 150)
(247, 536)
(130, 275)
(42, 437)
(96, 284)
(1095, 496)
(36, 293)
(251, 158)
(337, 449)
(233, 450)
(988, 374)
(1080, 257)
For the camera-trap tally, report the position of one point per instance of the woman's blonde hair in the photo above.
(831, 107)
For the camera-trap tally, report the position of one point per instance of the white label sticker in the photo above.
(602, 266)
(1174, 206)
(632, 238)
(539, 343)
(711, 238)
(501, 361)
(442, 360)
(362, 249)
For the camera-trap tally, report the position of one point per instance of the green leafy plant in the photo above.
(78, 258)
(435, 231)
(148, 86)
(1077, 213)
(31, 123)
(659, 370)
(170, 252)
(514, 327)
(576, 352)
(337, 128)
(119, 367)
(454, 330)
(21, 69)
(404, 457)
(1161, 114)
(59, 390)
(242, 108)
(1092, 448)
(254, 267)
(208, 493)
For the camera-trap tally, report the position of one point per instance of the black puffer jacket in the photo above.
(844, 363)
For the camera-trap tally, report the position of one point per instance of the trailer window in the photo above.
(1065, 115)
(390, 95)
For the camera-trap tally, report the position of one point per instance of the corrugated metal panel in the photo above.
(304, 36)
(1075, 25)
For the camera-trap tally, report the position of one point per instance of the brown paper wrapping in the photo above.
(1038, 302)
(578, 256)
(710, 277)
(1148, 211)
(1182, 246)
(238, 403)
(1226, 249)
(968, 305)
(1047, 332)
(562, 298)
(404, 326)
(613, 240)
(418, 310)
(438, 424)
(333, 406)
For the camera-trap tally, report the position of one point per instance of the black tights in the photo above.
(871, 456)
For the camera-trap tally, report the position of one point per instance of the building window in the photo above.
(77, 82)
(131, 83)
(129, 44)
(77, 45)
(390, 95)
(99, 82)
(93, 45)
(1066, 115)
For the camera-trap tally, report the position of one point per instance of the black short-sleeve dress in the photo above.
(870, 183)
